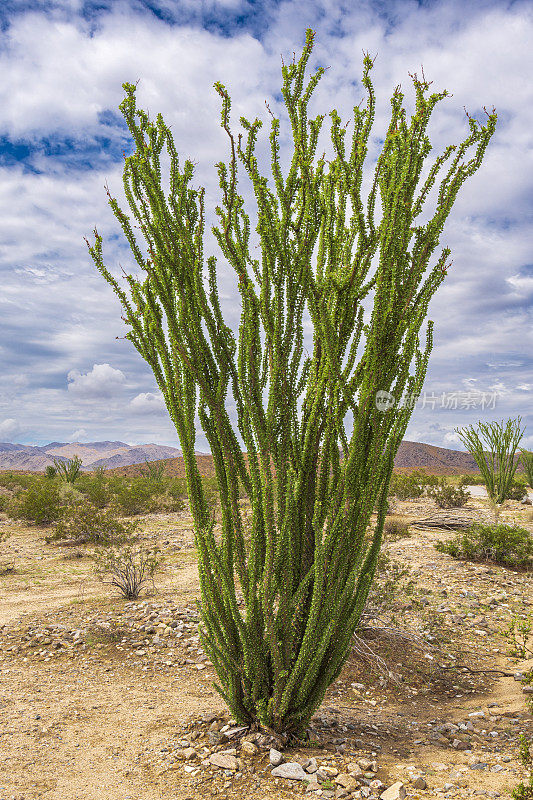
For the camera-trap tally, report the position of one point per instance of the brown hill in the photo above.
(411, 455)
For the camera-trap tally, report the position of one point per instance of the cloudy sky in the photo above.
(65, 375)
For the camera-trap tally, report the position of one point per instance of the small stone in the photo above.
(331, 772)
(223, 761)
(365, 763)
(419, 783)
(310, 765)
(355, 770)
(479, 765)
(188, 753)
(347, 782)
(394, 792)
(249, 749)
(458, 745)
(292, 770)
(275, 757)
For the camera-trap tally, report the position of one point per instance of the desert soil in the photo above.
(100, 698)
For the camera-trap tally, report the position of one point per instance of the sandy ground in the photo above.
(99, 722)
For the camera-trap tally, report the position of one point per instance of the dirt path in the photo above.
(99, 697)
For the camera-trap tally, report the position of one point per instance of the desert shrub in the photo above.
(4, 501)
(167, 501)
(505, 544)
(14, 481)
(127, 568)
(447, 496)
(396, 528)
(69, 495)
(84, 523)
(177, 488)
(524, 791)
(96, 488)
(133, 496)
(517, 491)
(40, 503)
(421, 477)
(153, 471)
(50, 472)
(517, 635)
(405, 487)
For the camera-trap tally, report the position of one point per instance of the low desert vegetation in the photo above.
(128, 568)
(84, 523)
(395, 527)
(510, 545)
(45, 500)
(405, 486)
(447, 496)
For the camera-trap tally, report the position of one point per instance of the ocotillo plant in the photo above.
(494, 448)
(69, 469)
(526, 459)
(306, 567)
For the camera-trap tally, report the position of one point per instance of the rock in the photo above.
(331, 772)
(355, 770)
(310, 765)
(459, 745)
(292, 770)
(347, 782)
(365, 763)
(479, 765)
(275, 757)
(394, 792)
(249, 749)
(419, 783)
(188, 753)
(223, 761)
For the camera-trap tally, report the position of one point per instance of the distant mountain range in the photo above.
(411, 455)
(92, 454)
(118, 455)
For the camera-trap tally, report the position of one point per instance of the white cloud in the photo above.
(9, 427)
(81, 433)
(101, 382)
(148, 403)
(62, 72)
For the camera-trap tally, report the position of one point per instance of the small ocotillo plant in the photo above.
(526, 459)
(306, 568)
(494, 448)
(69, 469)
